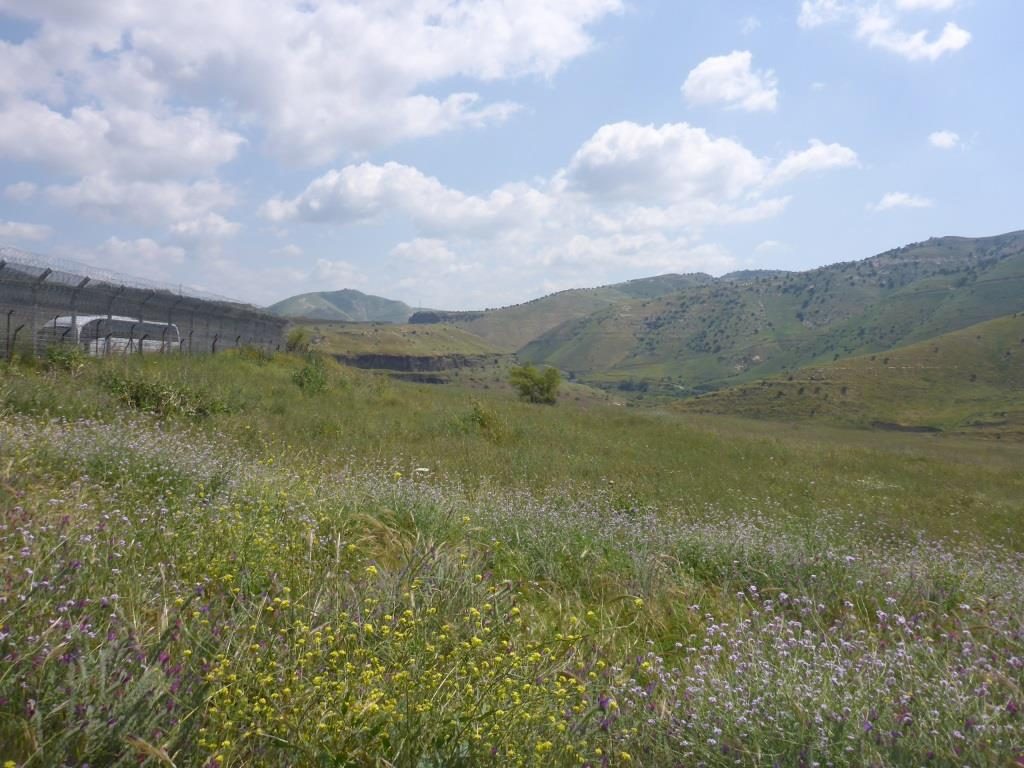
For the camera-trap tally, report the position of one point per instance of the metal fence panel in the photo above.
(47, 301)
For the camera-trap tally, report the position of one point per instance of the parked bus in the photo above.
(100, 336)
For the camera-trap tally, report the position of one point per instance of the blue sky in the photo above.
(474, 153)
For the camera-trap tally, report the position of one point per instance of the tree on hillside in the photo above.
(536, 386)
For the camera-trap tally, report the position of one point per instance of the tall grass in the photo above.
(388, 575)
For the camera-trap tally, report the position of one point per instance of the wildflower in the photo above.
(372, 570)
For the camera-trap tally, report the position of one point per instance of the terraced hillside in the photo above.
(969, 381)
(748, 326)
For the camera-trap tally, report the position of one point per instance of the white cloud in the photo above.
(632, 197)
(152, 202)
(878, 22)
(730, 80)
(428, 251)
(815, 13)
(675, 162)
(900, 200)
(143, 257)
(817, 157)
(321, 79)
(19, 230)
(21, 191)
(626, 176)
(925, 5)
(366, 191)
(880, 30)
(944, 139)
(128, 143)
(206, 228)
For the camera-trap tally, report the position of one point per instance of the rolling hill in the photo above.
(510, 328)
(752, 325)
(971, 380)
(344, 305)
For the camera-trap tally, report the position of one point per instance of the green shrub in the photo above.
(298, 340)
(312, 377)
(68, 358)
(536, 386)
(161, 396)
(484, 420)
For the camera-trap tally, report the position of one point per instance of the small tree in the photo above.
(536, 386)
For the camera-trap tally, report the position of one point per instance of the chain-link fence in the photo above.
(47, 301)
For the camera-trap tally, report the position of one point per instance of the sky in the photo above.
(465, 154)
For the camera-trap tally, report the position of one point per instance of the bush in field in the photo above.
(298, 340)
(312, 377)
(536, 386)
(484, 420)
(162, 396)
(69, 358)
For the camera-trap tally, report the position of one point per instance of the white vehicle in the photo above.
(99, 335)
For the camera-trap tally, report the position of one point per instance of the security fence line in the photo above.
(46, 302)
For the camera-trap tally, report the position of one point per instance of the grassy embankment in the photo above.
(206, 564)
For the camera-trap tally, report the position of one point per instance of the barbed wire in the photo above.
(71, 271)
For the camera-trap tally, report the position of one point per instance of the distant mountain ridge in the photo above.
(348, 305)
(743, 327)
(682, 335)
(510, 328)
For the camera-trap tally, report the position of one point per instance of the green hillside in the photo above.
(733, 330)
(971, 380)
(394, 339)
(344, 305)
(510, 328)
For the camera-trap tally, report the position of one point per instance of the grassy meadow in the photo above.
(242, 560)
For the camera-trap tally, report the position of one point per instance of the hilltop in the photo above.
(510, 328)
(344, 305)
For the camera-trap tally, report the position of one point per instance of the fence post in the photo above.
(14, 340)
(34, 320)
(170, 322)
(74, 307)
